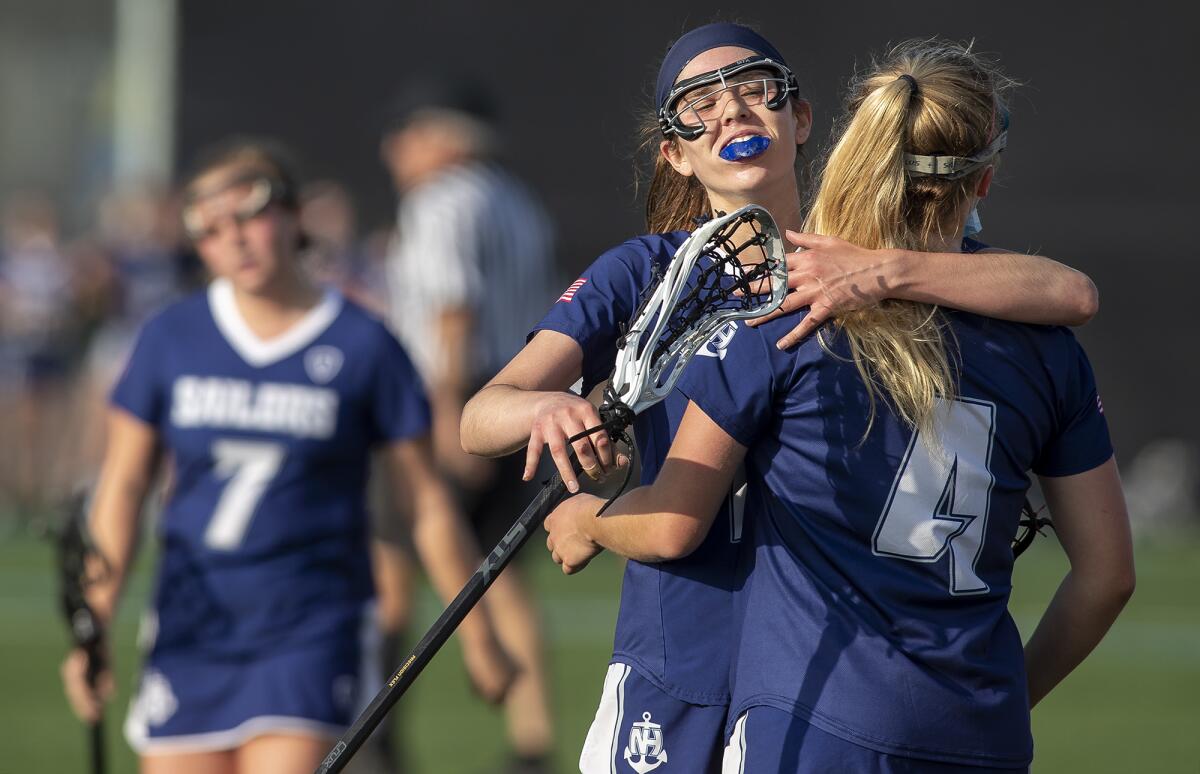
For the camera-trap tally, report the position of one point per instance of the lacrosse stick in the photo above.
(715, 277)
(77, 568)
(1029, 526)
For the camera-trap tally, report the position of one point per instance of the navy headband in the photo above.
(702, 39)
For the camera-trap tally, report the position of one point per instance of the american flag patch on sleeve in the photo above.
(570, 292)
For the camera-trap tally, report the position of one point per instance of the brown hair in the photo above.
(269, 157)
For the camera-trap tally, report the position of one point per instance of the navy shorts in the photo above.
(640, 728)
(766, 739)
(194, 702)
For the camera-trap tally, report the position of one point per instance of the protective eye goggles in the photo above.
(955, 167)
(756, 80)
(200, 222)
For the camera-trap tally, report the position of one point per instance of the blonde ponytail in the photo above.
(926, 97)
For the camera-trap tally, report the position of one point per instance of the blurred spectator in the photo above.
(138, 240)
(470, 271)
(139, 225)
(38, 338)
(1162, 486)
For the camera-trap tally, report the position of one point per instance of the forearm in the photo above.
(452, 370)
(114, 524)
(1080, 614)
(640, 526)
(498, 420)
(1008, 286)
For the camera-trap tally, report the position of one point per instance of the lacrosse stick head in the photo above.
(731, 268)
(1029, 526)
(80, 565)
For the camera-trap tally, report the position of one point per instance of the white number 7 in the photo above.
(939, 500)
(250, 466)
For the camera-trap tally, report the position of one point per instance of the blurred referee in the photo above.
(470, 271)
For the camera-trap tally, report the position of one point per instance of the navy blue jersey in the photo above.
(882, 562)
(675, 617)
(264, 534)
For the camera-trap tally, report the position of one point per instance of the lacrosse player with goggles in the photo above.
(267, 394)
(887, 460)
(726, 130)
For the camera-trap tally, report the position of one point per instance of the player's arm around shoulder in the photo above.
(1000, 283)
(1067, 296)
(832, 276)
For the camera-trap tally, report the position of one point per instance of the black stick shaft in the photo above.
(95, 667)
(97, 744)
(537, 511)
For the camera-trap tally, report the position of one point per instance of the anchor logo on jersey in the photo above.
(715, 347)
(323, 363)
(645, 752)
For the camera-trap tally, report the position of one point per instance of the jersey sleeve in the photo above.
(399, 408)
(1081, 441)
(141, 388)
(593, 308)
(731, 379)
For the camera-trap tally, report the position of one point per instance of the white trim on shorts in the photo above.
(370, 681)
(734, 759)
(599, 754)
(230, 739)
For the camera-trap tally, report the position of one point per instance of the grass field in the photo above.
(1134, 706)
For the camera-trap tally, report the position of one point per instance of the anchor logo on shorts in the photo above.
(715, 346)
(645, 751)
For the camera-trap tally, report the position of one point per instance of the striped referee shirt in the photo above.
(473, 236)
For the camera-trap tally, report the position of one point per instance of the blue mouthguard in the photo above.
(746, 149)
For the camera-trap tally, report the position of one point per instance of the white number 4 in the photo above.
(249, 466)
(939, 500)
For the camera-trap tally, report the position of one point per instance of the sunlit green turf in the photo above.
(1133, 706)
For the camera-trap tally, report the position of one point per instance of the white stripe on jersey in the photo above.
(734, 760)
(599, 754)
(473, 237)
(264, 352)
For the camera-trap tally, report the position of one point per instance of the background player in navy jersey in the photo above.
(887, 462)
(267, 393)
(672, 647)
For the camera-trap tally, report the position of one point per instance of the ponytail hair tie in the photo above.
(912, 84)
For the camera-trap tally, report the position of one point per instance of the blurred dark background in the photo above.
(1099, 172)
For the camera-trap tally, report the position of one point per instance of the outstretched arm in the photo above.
(832, 276)
(665, 520)
(1092, 525)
